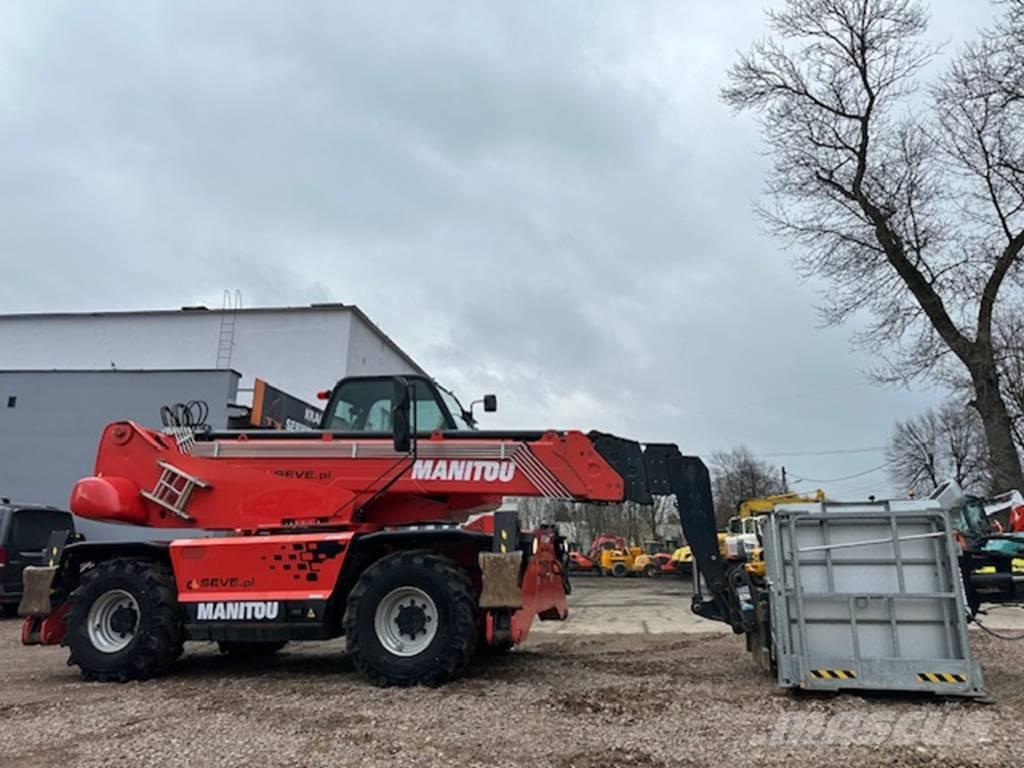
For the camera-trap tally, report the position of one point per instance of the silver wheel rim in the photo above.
(405, 621)
(107, 634)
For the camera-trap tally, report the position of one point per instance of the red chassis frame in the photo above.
(303, 571)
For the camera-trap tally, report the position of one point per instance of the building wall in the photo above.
(299, 350)
(370, 354)
(74, 373)
(48, 440)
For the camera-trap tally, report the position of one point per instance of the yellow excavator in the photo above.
(739, 539)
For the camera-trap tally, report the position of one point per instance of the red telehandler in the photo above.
(359, 529)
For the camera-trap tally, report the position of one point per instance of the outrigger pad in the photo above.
(37, 580)
(500, 572)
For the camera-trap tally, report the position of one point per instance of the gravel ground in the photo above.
(634, 701)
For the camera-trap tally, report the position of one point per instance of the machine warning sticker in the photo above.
(256, 610)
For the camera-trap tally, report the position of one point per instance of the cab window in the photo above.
(365, 406)
(454, 408)
(429, 416)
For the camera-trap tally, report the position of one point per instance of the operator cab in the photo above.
(367, 404)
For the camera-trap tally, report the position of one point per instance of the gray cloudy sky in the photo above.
(542, 199)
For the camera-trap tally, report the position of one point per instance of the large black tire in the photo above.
(251, 649)
(158, 635)
(620, 570)
(650, 571)
(455, 637)
(10, 609)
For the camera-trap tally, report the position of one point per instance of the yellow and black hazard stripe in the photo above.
(941, 677)
(506, 532)
(834, 674)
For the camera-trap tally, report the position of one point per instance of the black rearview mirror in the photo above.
(401, 430)
(490, 403)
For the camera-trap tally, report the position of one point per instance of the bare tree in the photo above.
(534, 511)
(738, 475)
(636, 522)
(940, 444)
(661, 519)
(1011, 366)
(912, 207)
(1009, 344)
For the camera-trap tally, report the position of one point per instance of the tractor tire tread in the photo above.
(454, 658)
(164, 641)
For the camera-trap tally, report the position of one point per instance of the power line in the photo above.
(847, 477)
(865, 489)
(816, 452)
(827, 452)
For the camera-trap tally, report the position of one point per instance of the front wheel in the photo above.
(411, 619)
(124, 623)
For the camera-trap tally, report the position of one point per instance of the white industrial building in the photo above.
(64, 376)
(298, 349)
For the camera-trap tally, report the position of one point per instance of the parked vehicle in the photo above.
(608, 556)
(657, 564)
(24, 532)
(743, 530)
(580, 562)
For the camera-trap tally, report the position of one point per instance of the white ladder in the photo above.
(174, 489)
(226, 337)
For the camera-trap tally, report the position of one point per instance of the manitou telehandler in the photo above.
(369, 528)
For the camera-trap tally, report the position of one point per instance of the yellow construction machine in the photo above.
(620, 561)
(740, 539)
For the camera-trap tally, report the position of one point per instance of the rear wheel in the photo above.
(250, 649)
(650, 571)
(620, 569)
(411, 619)
(124, 622)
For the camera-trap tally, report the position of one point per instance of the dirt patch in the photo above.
(615, 757)
(576, 700)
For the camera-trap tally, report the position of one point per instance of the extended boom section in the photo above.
(223, 481)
